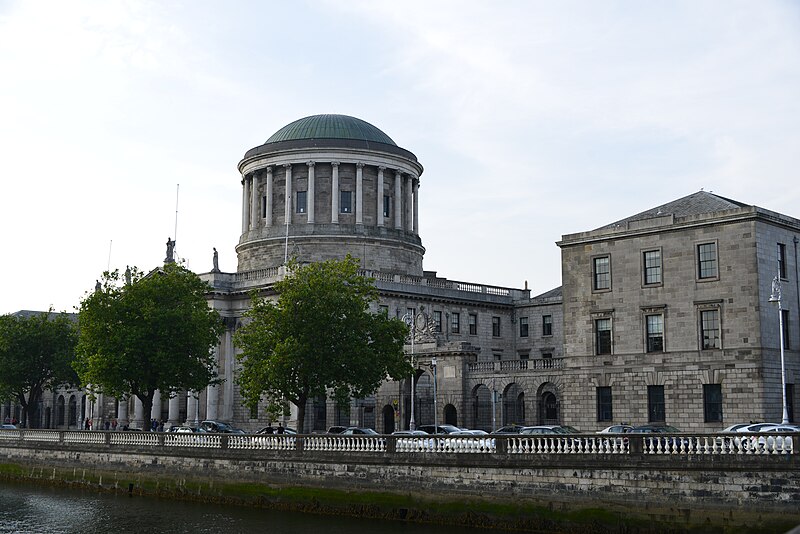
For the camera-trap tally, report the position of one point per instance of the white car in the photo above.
(615, 429)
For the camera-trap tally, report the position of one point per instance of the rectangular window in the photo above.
(455, 323)
(496, 326)
(473, 324)
(707, 260)
(523, 327)
(301, 201)
(437, 321)
(387, 205)
(602, 332)
(709, 329)
(785, 317)
(655, 404)
(547, 325)
(655, 333)
(524, 355)
(712, 403)
(346, 201)
(547, 355)
(782, 260)
(384, 310)
(601, 273)
(652, 267)
(604, 408)
(263, 207)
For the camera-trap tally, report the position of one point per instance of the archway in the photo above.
(388, 419)
(450, 415)
(513, 405)
(72, 413)
(482, 408)
(60, 412)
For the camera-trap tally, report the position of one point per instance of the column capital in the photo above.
(381, 168)
(335, 163)
(287, 165)
(268, 168)
(398, 172)
(311, 163)
(360, 165)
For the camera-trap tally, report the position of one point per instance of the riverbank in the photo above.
(488, 513)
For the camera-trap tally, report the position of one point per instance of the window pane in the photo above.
(603, 336)
(655, 404)
(523, 327)
(301, 202)
(781, 260)
(496, 326)
(387, 204)
(547, 325)
(455, 323)
(709, 329)
(652, 267)
(473, 324)
(345, 203)
(712, 403)
(707, 260)
(655, 333)
(602, 273)
(604, 404)
(437, 321)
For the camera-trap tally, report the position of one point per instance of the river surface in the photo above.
(34, 509)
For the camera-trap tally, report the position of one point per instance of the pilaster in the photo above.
(359, 193)
(335, 192)
(310, 197)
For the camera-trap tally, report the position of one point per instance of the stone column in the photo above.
(268, 215)
(174, 411)
(335, 192)
(227, 392)
(138, 414)
(245, 203)
(310, 194)
(122, 412)
(398, 200)
(359, 193)
(155, 410)
(192, 400)
(211, 402)
(288, 196)
(254, 203)
(416, 206)
(379, 210)
(410, 204)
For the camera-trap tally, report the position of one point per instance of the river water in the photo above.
(42, 510)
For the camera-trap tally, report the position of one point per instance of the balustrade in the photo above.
(684, 444)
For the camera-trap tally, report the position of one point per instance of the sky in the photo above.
(122, 123)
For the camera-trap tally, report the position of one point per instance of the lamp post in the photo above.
(435, 408)
(776, 297)
(409, 320)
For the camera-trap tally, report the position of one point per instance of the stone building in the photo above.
(662, 317)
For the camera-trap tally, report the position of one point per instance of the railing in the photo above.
(684, 444)
(540, 364)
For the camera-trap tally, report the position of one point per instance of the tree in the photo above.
(36, 354)
(320, 335)
(155, 333)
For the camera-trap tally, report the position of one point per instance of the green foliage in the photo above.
(36, 353)
(156, 333)
(319, 336)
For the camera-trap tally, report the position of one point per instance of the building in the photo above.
(662, 317)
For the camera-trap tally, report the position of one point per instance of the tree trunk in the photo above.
(147, 408)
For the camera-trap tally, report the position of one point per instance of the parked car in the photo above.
(183, 429)
(774, 442)
(510, 429)
(616, 429)
(357, 431)
(276, 430)
(441, 429)
(570, 429)
(659, 429)
(542, 429)
(735, 428)
(7, 426)
(216, 427)
(336, 429)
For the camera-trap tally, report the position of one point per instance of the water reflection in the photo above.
(33, 509)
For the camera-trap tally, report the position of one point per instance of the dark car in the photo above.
(510, 429)
(336, 429)
(216, 427)
(356, 431)
(441, 429)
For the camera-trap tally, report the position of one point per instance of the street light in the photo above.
(435, 409)
(409, 320)
(776, 297)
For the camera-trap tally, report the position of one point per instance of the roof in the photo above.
(695, 204)
(27, 314)
(331, 127)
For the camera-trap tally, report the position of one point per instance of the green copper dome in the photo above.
(331, 127)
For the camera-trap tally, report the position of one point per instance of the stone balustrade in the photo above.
(539, 364)
(683, 444)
